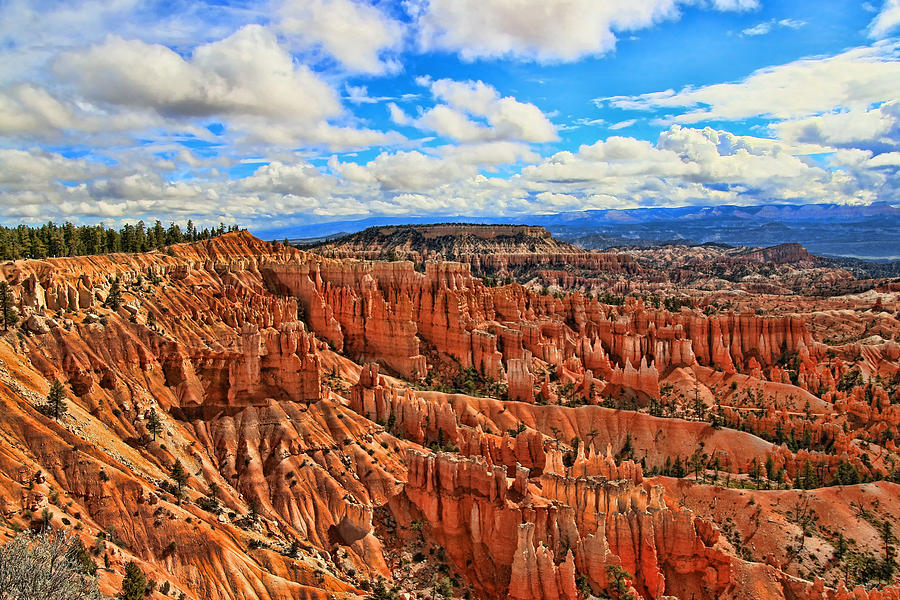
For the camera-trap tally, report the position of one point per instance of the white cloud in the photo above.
(760, 29)
(622, 124)
(499, 118)
(28, 110)
(877, 128)
(740, 5)
(247, 73)
(275, 88)
(414, 171)
(300, 179)
(489, 153)
(248, 80)
(766, 26)
(541, 30)
(887, 20)
(856, 78)
(39, 170)
(687, 166)
(355, 33)
(359, 94)
(397, 115)
(452, 123)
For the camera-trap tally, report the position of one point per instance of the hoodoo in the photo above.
(346, 426)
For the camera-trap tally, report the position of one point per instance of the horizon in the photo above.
(270, 114)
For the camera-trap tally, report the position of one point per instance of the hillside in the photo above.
(531, 255)
(512, 252)
(362, 428)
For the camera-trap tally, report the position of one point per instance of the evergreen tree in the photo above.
(697, 463)
(890, 551)
(173, 234)
(754, 473)
(134, 583)
(807, 476)
(37, 249)
(627, 448)
(51, 240)
(180, 477)
(114, 298)
(841, 547)
(8, 313)
(56, 400)
(159, 235)
(81, 557)
(617, 583)
(770, 467)
(153, 423)
(779, 432)
(678, 468)
(846, 474)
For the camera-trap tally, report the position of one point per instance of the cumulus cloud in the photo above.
(876, 129)
(489, 154)
(247, 80)
(856, 78)
(29, 111)
(300, 179)
(31, 170)
(473, 111)
(268, 93)
(355, 33)
(540, 30)
(247, 73)
(27, 108)
(414, 171)
(887, 20)
(686, 165)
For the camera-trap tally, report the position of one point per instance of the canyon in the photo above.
(531, 256)
(482, 411)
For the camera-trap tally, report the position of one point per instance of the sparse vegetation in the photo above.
(44, 566)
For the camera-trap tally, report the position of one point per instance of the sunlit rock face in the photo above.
(343, 421)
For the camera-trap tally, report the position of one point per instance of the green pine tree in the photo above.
(134, 583)
(154, 425)
(180, 477)
(114, 298)
(56, 400)
(8, 313)
(808, 479)
(79, 554)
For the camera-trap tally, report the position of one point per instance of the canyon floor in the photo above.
(459, 412)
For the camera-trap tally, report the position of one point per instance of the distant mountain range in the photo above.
(869, 232)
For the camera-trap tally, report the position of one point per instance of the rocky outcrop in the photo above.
(291, 386)
(496, 250)
(522, 545)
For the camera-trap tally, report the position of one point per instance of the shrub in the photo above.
(42, 566)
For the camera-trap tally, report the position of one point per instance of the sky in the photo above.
(277, 113)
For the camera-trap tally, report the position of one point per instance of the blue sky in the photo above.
(283, 112)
